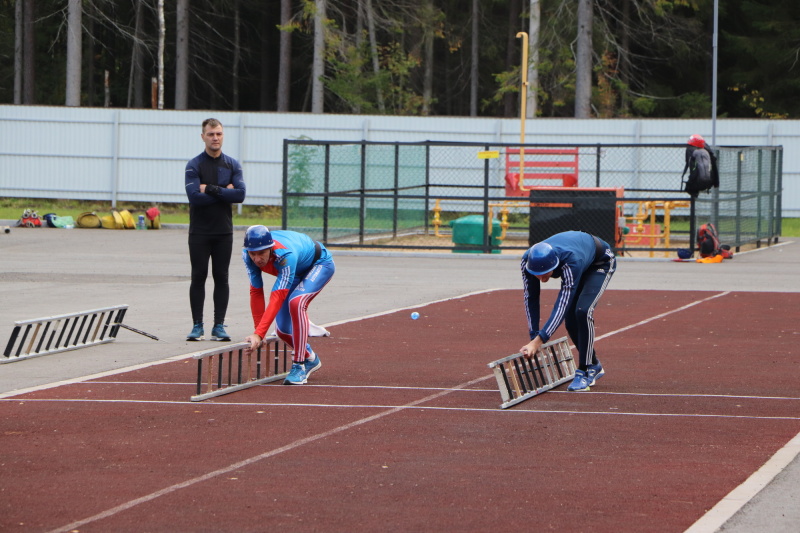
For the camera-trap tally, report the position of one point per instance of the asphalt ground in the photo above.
(45, 272)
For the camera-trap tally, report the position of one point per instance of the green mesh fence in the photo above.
(382, 194)
(746, 208)
(346, 192)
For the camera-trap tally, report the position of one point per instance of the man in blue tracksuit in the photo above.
(302, 267)
(585, 265)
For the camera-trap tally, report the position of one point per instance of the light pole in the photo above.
(714, 46)
(523, 101)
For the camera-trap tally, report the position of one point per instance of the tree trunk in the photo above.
(427, 84)
(237, 46)
(135, 97)
(623, 63)
(318, 66)
(473, 76)
(583, 63)
(373, 49)
(162, 33)
(509, 100)
(74, 49)
(285, 57)
(28, 52)
(534, 25)
(265, 76)
(181, 55)
(18, 52)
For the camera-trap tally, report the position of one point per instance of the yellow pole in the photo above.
(524, 73)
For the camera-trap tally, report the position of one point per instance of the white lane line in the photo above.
(140, 366)
(98, 375)
(11, 394)
(728, 506)
(412, 405)
(396, 387)
(643, 322)
(662, 315)
(271, 453)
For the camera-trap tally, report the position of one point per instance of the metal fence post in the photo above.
(363, 201)
(326, 188)
(760, 195)
(778, 194)
(597, 166)
(427, 181)
(115, 161)
(284, 196)
(692, 223)
(488, 226)
(396, 188)
(739, 156)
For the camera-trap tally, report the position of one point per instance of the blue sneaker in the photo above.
(580, 383)
(312, 366)
(219, 333)
(297, 375)
(197, 333)
(594, 372)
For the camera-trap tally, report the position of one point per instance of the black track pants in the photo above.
(218, 248)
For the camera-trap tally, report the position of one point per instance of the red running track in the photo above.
(401, 429)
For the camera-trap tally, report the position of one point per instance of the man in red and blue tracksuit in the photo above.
(302, 267)
(585, 265)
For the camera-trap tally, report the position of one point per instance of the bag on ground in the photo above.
(88, 220)
(707, 240)
(153, 218)
(708, 243)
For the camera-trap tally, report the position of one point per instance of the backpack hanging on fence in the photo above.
(703, 170)
(699, 173)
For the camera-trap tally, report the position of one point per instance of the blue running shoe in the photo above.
(197, 333)
(580, 383)
(312, 366)
(219, 333)
(594, 372)
(297, 375)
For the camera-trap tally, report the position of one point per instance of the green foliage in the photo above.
(351, 80)
(755, 101)
(402, 99)
(299, 177)
(663, 73)
(643, 106)
(694, 104)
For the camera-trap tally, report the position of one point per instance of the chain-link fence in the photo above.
(489, 198)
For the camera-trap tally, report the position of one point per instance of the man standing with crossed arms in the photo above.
(585, 265)
(213, 183)
(302, 267)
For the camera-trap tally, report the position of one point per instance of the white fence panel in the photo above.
(141, 154)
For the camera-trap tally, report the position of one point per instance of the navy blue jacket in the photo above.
(210, 213)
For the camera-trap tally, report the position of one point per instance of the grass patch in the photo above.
(12, 208)
(790, 227)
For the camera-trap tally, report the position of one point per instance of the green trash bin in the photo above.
(469, 230)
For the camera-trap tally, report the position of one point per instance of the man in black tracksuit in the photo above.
(213, 182)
